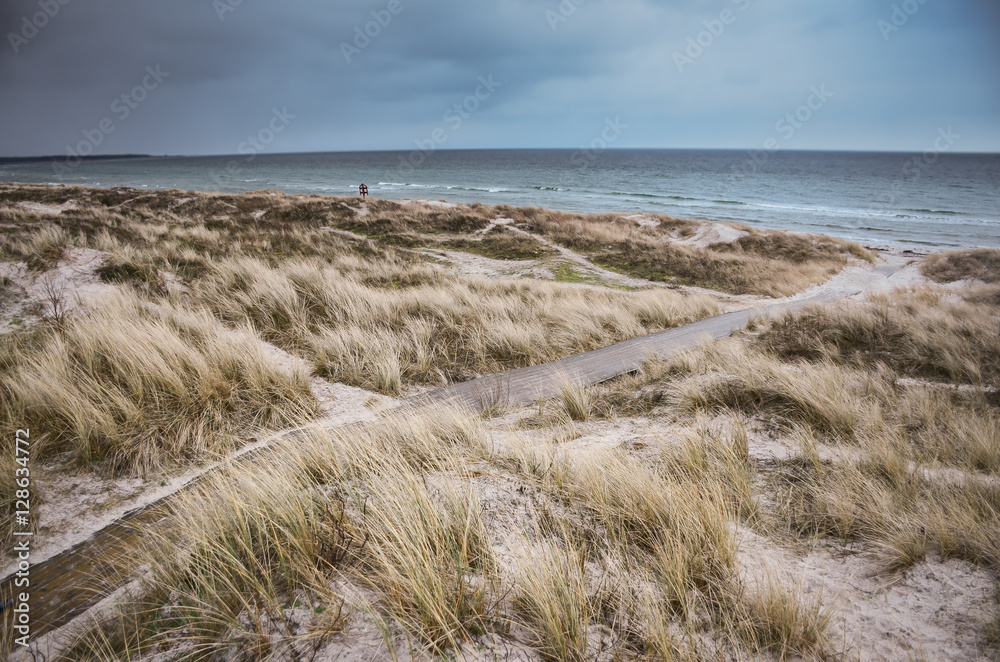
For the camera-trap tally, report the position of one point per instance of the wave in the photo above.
(634, 195)
(481, 190)
(656, 197)
(403, 185)
(836, 211)
(946, 212)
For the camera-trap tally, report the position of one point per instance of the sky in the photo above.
(212, 76)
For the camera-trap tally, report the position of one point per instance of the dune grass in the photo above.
(384, 524)
(254, 543)
(424, 549)
(185, 232)
(852, 372)
(148, 378)
(663, 537)
(770, 263)
(950, 266)
(891, 407)
(837, 377)
(131, 387)
(919, 334)
(863, 408)
(257, 540)
(901, 512)
(774, 618)
(551, 594)
(577, 401)
(433, 327)
(679, 525)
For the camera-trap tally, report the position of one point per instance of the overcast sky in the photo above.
(877, 78)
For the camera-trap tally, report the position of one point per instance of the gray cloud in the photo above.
(606, 59)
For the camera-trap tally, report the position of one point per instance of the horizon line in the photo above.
(138, 156)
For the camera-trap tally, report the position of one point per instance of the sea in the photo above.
(931, 198)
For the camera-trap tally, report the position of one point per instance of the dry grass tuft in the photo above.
(132, 386)
(131, 270)
(721, 462)
(827, 397)
(679, 523)
(978, 264)
(252, 557)
(40, 249)
(252, 543)
(577, 400)
(421, 555)
(918, 333)
(772, 618)
(551, 596)
(883, 502)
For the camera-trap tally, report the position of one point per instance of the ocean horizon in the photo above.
(933, 198)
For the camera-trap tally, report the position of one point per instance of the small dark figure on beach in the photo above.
(364, 190)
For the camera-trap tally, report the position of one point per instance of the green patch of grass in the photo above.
(620, 262)
(565, 273)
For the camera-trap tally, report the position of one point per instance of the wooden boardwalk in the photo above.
(67, 584)
(537, 382)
